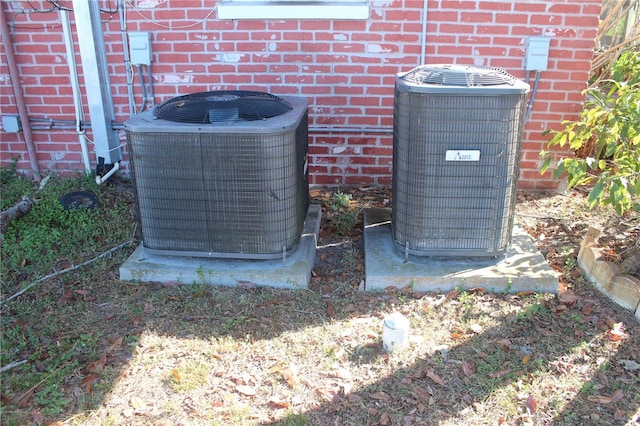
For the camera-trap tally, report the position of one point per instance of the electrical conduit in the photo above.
(75, 86)
(17, 92)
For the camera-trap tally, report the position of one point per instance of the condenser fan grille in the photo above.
(222, 107)
(456, 75)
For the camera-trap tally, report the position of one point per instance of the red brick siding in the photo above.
(345, 68)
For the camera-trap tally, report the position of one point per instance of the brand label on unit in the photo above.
(462, 155)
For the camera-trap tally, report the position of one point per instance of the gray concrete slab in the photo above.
(522, 269)
(294, 272)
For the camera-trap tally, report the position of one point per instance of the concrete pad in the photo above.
(294, 272)
(522, 269)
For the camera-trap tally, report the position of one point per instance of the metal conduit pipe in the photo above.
(70, 124)
(75, 86)
(364, 130)
(122, 8)
(425, 15)
(17, 92)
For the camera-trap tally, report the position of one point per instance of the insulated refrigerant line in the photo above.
(533, 94)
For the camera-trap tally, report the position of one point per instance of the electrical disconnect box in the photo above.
(11, 124)
(140, 48)
(537, 56)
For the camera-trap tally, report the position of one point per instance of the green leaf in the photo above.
(596, 194)
(559, 170)
(545, 165)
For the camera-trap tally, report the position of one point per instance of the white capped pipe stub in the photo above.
(395, 332)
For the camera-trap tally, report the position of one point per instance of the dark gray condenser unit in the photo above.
(456, 153)
(221, 174)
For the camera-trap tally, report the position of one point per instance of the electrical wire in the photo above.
(533, 95)
(37, 10)
(144, 88)
(170, 27)
(55, 6)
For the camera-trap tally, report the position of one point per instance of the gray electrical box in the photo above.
(11, 124)
(140, 48)
(537, 54)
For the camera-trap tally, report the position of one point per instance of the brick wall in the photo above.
(345, 68)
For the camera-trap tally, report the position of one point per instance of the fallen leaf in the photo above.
(468, 368)
(327, 394)
(247, 285)
(568, 297)
(526, 359)
(617, 395)
(600, 399)
(246, 390)
(532, 404)
(217, 404)
(380, 396)
(149, 308)
(457, 336)
(330, 309)
(176, 375)
(37, 417)
(560, 308)
(116, 344)
(505, 344)
(290, 373)
(89, 381)
(384, 419)
(407, 289)
(453, 294)
(97, 365)
(189, 406)
(433, 376)
(499, 374)
(279, 404)
(66, 296)
(617, 332)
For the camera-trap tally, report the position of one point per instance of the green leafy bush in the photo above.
(605, 140)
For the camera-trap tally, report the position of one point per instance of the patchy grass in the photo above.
(104, 352)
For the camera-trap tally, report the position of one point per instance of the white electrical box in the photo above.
(140, 48)
(11, 124)
(537, 56)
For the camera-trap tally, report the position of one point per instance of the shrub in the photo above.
(605, 139)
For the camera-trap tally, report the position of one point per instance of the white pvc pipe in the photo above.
(122, 8)
(102, 179)
(75, 87)
(425, 15)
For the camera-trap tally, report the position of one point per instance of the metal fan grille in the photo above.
(219, 195)
(222, 106)
(238, 191)
(456, 75)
